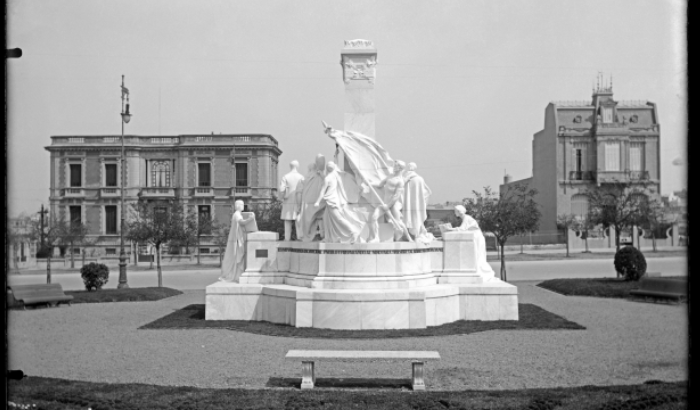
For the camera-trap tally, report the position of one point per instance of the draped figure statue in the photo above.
(340, 224)
(415, 203)
(233, 264)
(310, 217)
(469, 224)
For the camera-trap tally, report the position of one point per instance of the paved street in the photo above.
(517, 271)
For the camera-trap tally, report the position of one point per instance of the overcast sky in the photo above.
(461, 85)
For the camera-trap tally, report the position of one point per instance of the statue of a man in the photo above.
(233, 263)
(340, 224)
(310, 218)
(288, 188)
(393, 201)
(469, 224)
(415, 201)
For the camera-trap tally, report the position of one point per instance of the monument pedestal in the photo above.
(394, 285)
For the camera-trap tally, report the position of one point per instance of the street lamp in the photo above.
(126, 117)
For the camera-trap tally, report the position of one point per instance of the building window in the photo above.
(111, 251)
(160, 213)
(160, 173)
(579, 160)
(110, 219)
(612, 156)
(203, 251)
(205, 216)
(636, 163)
(204, 173)
(76, 178)
(242, 174)
(110, 174)
(607, 114)
(75, 215)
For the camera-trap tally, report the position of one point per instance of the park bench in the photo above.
(661, 288)
(308, 359)
(51, 294)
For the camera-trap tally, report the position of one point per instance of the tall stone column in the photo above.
(358, 60)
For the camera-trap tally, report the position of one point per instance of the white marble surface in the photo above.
(398, 308)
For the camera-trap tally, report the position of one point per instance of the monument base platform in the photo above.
(409, 308)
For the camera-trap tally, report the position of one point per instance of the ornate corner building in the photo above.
(205, 173)
(586, 145)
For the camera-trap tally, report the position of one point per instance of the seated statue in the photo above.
(340, 224)
(233, 263)
(393, 202)
(310, 217)
(469, 224)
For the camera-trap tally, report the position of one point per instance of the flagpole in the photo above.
(388, 212)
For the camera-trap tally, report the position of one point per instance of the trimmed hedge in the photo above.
(630, 263)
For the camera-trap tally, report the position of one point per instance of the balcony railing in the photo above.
(110, 192)
(74, 192)
(240, 191)
(639, 175)
(203, 191)
(581, 175)
(158, 192)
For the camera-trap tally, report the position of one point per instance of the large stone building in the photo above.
(203, 172)
(588, 144)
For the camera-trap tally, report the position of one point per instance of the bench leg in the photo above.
(308, 378)
(418, 371)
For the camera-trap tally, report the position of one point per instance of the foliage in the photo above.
(512, 212)
(630, 263)
(70, 234)
(156, 223)
(596, 287)
(220, 233)
(652, 218)
(196, 226)
(567, 222)
(269, 218)
(95, 275)
(617, 206)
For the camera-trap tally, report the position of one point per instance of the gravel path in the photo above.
(624, 343)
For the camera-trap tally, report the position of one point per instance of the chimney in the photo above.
(506, 179)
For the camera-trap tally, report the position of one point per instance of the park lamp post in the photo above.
(126, 117)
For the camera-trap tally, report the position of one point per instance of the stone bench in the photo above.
(51, 294)
(661, 288)
(308, 358)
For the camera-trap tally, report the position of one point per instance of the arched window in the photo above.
(161, 173)
(579, 205)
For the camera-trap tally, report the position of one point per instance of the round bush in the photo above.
(630, 263)
(94, 275)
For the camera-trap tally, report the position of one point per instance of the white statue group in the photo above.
(318, 204)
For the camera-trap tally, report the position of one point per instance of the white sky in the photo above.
(461, 85)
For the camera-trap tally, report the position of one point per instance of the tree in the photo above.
(616, 206)
(567, 222)
(584, 225)
(71, 234)
(652, 218)
(157, 224)
(510, 213)
(220, 233)
(268, 218)
(196, 226)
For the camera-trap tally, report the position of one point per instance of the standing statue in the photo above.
(415, 202)
(393, 201)
(288, 192)
(310, 218)
(470, 224)
(233, 264)
(340, 224)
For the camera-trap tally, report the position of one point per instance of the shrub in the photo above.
(630, 263)
(94, 275)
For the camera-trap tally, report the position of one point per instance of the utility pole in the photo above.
(41, 233)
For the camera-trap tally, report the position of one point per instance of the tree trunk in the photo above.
(160, 271)
(653, 241)
(48, 266)
(586, 241)
(617, 238)
(521, 248)
(503, 264)
(72, 259)
(135, 245)
(83, 254)
(220, 258)
(198, 242)
(567, 242)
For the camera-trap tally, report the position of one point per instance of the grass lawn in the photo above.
(114, 295)
(531, 317)
(597, 287)
(54, 394)
(516, 257)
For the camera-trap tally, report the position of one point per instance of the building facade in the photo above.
(585, 145)
(204, 173)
